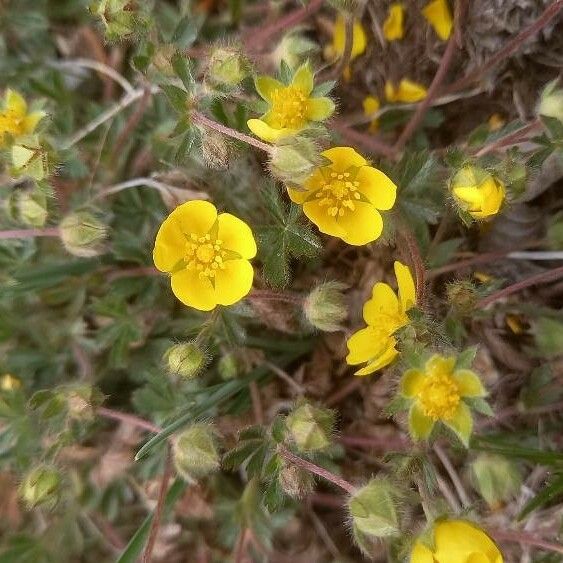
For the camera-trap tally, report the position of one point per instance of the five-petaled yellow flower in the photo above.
(385, 314)
(437, 394)
(207, 255)
(291, 107)
(394, 25)
(457, 541)
(439, 16)
(407, 92)
(478, 192)
(14, 119)
(344, 197)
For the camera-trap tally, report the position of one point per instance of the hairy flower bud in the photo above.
(186, 359)
(41, 487)
(121, 19)
(324, 307)
(292, 49)
(195, 452)
(551, 101)
(495, 478)
(374, 509)
(227, 67)
(462, 296)
(310, 427)
(296, 482)
(82, 234)
(228, 366)
(294, 159)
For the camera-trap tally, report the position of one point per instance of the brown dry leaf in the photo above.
(275, 314)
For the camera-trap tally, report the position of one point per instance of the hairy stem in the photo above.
(525, 538)
(127, 418)
(30, 233)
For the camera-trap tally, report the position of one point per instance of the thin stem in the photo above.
(417, 263)
(165, 189)
(201, 119)
(316, 470)
(266, 294)
(460, 489)
(544, 277)
(511, 139)
(157, 516)
(436, 84)
(256, 403)
(368, 142)
(525, 538)
(285, 376)
(344, 60)
(127, 418)
(30, 233)
(511, 47)
(133, 272)
(354, 384)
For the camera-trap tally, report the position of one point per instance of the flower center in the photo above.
(204, 255)
(289, 107)
(439, 396)
(338, 193)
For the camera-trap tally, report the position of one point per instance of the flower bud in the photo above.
(215, 149)
(462, 296)
(82, 234)
(29, 158)
(28, 206)
(294, 159)
(9, 383)
(296, 482)
(292, 49)
(227, 67)
(195, 452)
(186, 359)
(551, 101)
(477, 192)
(374, 509)
(228, 366)
(41, 487)
(495, 478)
(81, 401)
(121, 18)
(310, 427)
(324, 307)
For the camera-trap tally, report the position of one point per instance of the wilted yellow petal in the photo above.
(439, 17)
(393, 26)
(407, 91)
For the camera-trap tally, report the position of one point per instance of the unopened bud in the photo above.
(83, 234)
(186, 359)
(296, 482)
(495, 478)
(81, 401)
(9, 383)
(227, 67)
(310, 427)
(29, 158)
(551, 101)
(228, 366)
(121, 18)
(292, 49)
(374, 509)
(462, 296)
(325, 308)
(28, 206)
(41, 487)
(195, 452)
(294, 159)
(215, 149)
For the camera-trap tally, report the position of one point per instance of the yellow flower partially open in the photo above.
(207, 255)
(14, 119)
(407, 92)
(291, 107)
(394, 25)
(371, 105)
(385, 313)
(344, 197)
(439, 16)
(437, 394)
(478, 192)
(457, 541)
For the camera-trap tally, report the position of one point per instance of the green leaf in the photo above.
(186, 32)
(177, 97)
(183, 67)
(480, 405)
(466, 358)
(323, 89)
(554, 126)
(442, 253)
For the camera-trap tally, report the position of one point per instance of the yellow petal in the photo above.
(361, 226)
(440, 365)
(359, 40)
(383, 303)
(439, 17)
(298, 196)
(393, 27)
(169, 246)
(420, 425)
(236, 235)
(266, 86)
(30, 121)
(458, 540)
(326, 223)
(381, 361)
(319, 109)
(363, 345)
(421, 554)
(407, 291)
(411, 382)
(407, 92)
(15, 102)
(343, 158)
(371, 104)
(303, 79)
(196, 216)
(193, 291)
(234, 282)
(469, 384)
(462, 423)
(471, 196)
(263, 131)
(377, 187)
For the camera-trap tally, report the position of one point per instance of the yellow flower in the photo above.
(206, 254)
(478, 192)
(9, 383)
(437, 394)
(291, 108)
(343, 197)
(371, 105)
(393, 27)
(385, 314)
(359, 39)
(457, 541)
(14, 119)
(439, 17)
(407, 92)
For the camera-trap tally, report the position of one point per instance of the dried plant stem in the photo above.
(517, 136)
(525, 538)
(157, 515)
(30, 233)
(285, 376)
(199, 118)
(544, 277)
(452, 473)
(127, 418)
(316, 470)
(511, 47)
(134, 119)
(417, 263)
(368, 142)
(241, 545)
(256, 403)
(354, 384)
(268, 295)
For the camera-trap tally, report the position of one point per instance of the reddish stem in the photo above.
(511, 139)
(127, 418)
(525, 538)
(30, 233)
(368, 142)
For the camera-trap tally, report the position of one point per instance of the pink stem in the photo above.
(30, 233)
